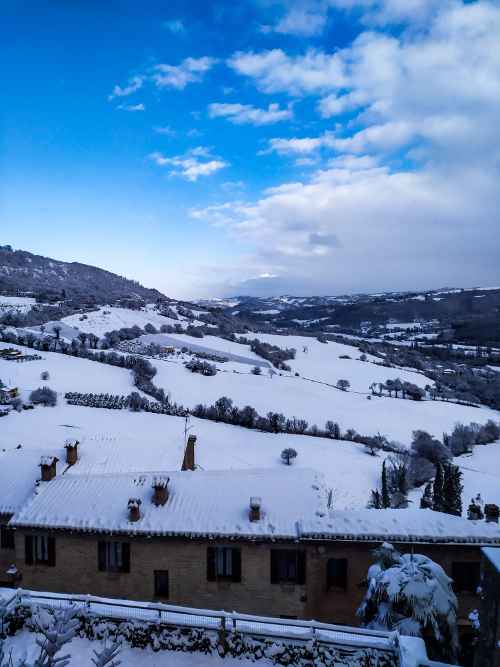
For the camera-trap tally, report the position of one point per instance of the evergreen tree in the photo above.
(386, 496)
(412, 594)
(437, 489)
(427, 500)
(452, 490)
(375, 501)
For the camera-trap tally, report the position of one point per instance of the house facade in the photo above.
(257, 541)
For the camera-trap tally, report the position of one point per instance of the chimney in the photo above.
(134, 509)
(48, 467)
(160, 490)
(491, 513)
(71, 448)
(188, 463)
(255, 504)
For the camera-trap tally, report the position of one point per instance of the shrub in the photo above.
(288, 454)
(44, 395)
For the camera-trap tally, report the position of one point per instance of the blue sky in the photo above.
(216, 148)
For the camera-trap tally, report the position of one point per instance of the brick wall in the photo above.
(76, 571)
(339, 606)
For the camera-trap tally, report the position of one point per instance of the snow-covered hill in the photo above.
(117, 441)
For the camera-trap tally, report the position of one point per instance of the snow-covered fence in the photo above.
(170, 615)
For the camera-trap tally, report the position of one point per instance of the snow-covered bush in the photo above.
(288, 454)
(412, 594)
(44, 395)
(159, 637)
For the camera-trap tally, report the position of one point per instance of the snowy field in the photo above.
(109, 318)
(120, 441)
(143, 442)
(19, 304)
(309, 396)
(65, 374)
(81, 654)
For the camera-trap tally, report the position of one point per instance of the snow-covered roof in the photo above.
(217, 503)
(19, 471)
(493, 555)
(401, 525)
(199, 503)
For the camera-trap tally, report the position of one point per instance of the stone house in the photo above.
(256, 541)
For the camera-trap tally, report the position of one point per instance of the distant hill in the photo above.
(23, 272)
(473, 313)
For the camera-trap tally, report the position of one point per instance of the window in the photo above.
(113, 556)
(336, 574)
(223, 563)
(40, 550)
(7, 537)
(465, 577)
(161, 584)
(288, 566)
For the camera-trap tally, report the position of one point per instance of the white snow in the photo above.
(493, 555)
(109, 318)
(19, 304)
(66, 373)
(199, 503)
(81, 653)
(19, 471)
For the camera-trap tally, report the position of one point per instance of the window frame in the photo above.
(40, 549)
(295, 557)
(465, 572)
(231, 566)
(157, 589)
(113, 556)
(332, 580)
(7, 537)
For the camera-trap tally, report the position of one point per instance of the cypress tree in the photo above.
(386, 496)
(427, 501)
(452, 490)
(437, 489)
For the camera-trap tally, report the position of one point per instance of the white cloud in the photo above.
(431, 94)
(175, 26)
(304, 19)
(307, 18)
(190, 70)
(166, 130)
(134, 84)
(275, 71)
(189, 166)
(131, 107)
(299, 146)
(241, 114)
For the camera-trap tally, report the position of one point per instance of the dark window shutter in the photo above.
(51, 551)
(101, 556)
(301, 567)
(236, 564)
(125, 557)
(211, 576)
(275, 572)
(28, 549)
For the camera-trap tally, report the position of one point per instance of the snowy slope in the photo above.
(110, 317)
(315, 401)
(65, 374)
(19, 304)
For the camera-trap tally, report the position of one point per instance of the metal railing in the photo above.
(175, 616)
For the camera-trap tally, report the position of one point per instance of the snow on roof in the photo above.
(217, 503)
(199, 503)
(19, 471)
(493, 555)
(403, 525)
